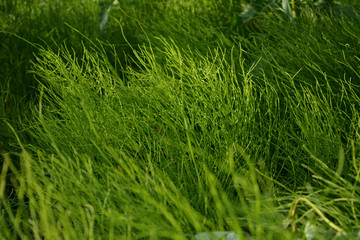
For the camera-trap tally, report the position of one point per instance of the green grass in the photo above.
(176, 121)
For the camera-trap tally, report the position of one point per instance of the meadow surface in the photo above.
(171, 119)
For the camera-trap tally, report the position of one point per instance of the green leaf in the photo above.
(104, 17)
(310, 231)
(287, 10)
(223, 235)
(248, 13)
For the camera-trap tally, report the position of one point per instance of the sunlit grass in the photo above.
(197, 129)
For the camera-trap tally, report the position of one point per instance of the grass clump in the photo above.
(197, 129)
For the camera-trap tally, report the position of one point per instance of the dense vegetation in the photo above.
(170, 119)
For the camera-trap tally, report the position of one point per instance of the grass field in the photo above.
(179, 119)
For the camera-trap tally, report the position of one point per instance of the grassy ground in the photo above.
(178, 119)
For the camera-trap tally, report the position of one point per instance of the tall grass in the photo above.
(195, 130)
